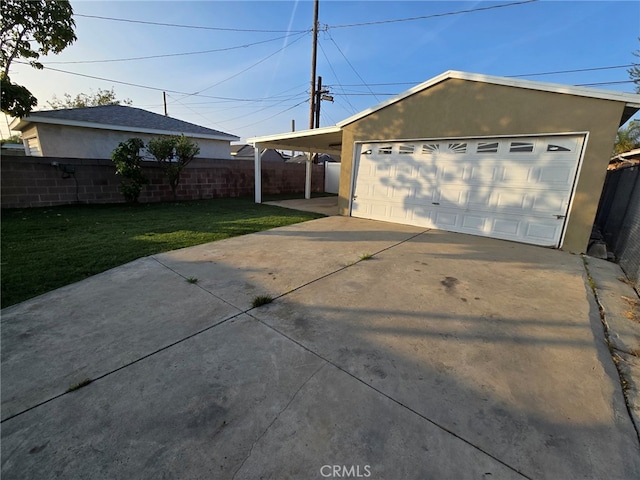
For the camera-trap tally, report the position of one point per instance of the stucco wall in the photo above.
(462, 108)
(80, 142)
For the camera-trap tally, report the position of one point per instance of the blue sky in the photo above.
(258, 81)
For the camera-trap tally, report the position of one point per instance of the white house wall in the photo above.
(77, 142)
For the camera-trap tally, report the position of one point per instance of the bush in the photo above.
(128, 161)
(173, 154)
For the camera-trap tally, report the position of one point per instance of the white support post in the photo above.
(257, 173)
(307, 179)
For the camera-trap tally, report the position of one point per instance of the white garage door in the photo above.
(516, 188)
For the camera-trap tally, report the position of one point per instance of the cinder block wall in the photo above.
(34, 182)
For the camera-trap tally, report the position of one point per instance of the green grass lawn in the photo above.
(47, 248)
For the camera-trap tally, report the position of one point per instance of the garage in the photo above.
(513, 188)
(499, 157)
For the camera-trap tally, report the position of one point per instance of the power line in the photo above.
(248, 68)
(199, 93)
(570, 71)
(354, 110)
(157, 89)
(435, 15)
(603, 83)
(272, 116)
(267, 107)
(198, 27)
(170, 54)
(200, 114)
(352, 68)
(592, 69)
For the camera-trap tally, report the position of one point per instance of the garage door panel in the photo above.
(446, 220)
(474, 223)
(541, 231)
(481, 174)
(511, 188)
(557, 175)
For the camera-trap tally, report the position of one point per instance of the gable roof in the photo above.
(631, 101)
(242, 149)
(122, 118)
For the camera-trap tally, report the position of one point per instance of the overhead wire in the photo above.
(267, 107)
(556, 72)
(249, 67)
(435, 15)
(353, 109)
(166, 55)
(199, 114)
(273, 116)
(570, 71)
(352, 67)
(197, 27)
(300, 34)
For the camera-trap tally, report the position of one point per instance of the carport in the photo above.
(469, 153)
(319, 140)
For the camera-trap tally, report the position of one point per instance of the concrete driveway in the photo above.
(442, 356)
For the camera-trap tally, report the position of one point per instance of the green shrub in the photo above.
(128, 161)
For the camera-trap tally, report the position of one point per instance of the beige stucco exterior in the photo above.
(82, 142)
(463, 108)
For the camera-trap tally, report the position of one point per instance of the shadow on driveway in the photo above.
(443, 356)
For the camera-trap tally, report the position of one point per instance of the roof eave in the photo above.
(22, 123)
(629, 99)
(296, 140)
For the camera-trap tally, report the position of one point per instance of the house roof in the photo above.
(329, 139)
(631, 101)
(242, 150)
(631, 154)
(121, 118)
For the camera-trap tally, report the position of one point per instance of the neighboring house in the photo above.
(626, 159)
(247, 152)
(94, 132)
(242, 151)
(492, 156)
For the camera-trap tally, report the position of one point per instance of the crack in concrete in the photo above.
(394, 400)
(295, 394)
(612, 350)
(197, 285)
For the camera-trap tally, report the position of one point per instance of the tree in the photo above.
(12, 139)
(17, 100)
(101, 97)
(29, 29)
(128, 161)
(628, 138)
(173, 154)
(634, 71)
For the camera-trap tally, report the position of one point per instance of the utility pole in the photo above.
(164, 99)
(314, 55)
(318, 94)
(321, 94)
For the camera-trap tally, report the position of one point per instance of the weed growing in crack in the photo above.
(261, 300)
(79, 385)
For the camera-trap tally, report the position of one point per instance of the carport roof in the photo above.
(319, 140)
(329, 139)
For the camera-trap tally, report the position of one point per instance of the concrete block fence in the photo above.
(48, 181)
